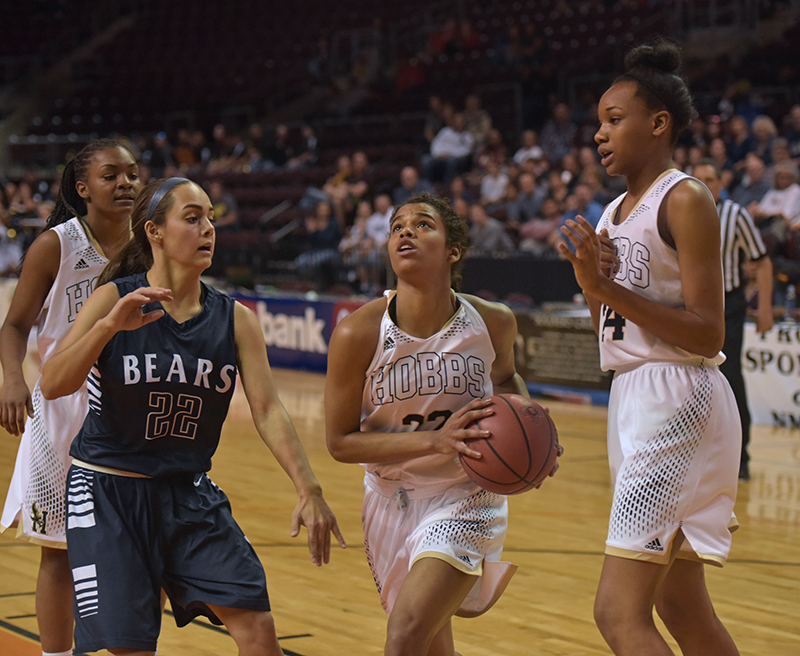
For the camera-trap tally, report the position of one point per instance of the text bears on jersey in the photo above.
(156, 369)
(426, 374)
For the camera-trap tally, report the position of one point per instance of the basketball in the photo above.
(521, 451)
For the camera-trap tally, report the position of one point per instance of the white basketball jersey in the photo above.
(416, 384)
(81, 265)
(649, 267)
(36, 493)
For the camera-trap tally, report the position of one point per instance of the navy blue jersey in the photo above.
(158, 396)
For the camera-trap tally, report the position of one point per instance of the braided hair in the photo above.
(68, 202)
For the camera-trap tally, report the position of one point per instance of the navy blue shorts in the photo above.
(130, 537)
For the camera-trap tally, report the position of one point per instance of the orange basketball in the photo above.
(521, 451)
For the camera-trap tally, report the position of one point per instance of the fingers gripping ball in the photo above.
(521, 451)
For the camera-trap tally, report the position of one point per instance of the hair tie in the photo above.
(651, 90)
(163, 189)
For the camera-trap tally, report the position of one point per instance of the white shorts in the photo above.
(35, 500)
(464, 526)
(674, 440)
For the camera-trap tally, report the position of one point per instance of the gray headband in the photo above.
(163, 189)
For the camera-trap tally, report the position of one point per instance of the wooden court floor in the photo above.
(556, 536)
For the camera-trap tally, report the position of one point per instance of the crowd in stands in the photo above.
(515, 196)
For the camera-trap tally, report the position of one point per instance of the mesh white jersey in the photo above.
(81, 265)
(649, 267)
(416, 384)
(36, 493)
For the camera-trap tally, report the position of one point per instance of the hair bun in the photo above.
(663, 56)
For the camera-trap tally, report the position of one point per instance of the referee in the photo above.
(741, 241)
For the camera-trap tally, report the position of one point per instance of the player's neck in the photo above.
(107, 235)
(424, 312)
(186, 291)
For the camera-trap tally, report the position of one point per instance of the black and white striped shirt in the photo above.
(739, 236)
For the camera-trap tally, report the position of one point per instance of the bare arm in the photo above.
(277, 431)
(764, 281)
(101, 317)
(38, 274)
(351, 349)
(502, 325)
(698, 327)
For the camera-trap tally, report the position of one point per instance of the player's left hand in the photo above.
(312, 511)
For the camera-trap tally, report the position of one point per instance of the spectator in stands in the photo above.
(307, 152)
(782, 201)
(530, 149)
(780, 153)
(461, 207)
(19, 198)
(435, 119)
(492, 149)
(360, 252)
(754, 184)
(487, 235)
(530, 198)
(226, 211)
(451, 151)
(410, 185)
(476, 119)
(458, 189)
(718, 151)
(445, 40)
(592, 177)
(10, 245)
(276, 153)
(792, 131)
(321, 248)
(740, 142)
(493, 185)
(557, 186)
(337, 188)
(579, 203)
(378, 223)
(764, 134)
(558, 133)
(184, 155)
(539, 235)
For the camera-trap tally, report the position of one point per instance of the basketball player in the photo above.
(162, 351)
(90, 223)
(673, 428)
(406, 375)
(741, 239)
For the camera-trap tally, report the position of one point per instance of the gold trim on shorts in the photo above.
(455, 562)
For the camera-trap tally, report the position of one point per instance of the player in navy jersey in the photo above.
(90, 223)
(406, 375)
(673, 427)
(162, 352)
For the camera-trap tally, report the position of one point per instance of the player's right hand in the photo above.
(15, 406)
(128, 312)
(453, 436)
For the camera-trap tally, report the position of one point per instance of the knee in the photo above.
(406, 636)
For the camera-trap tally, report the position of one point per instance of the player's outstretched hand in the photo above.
(15, 406)
(312, 511)
(453, 436)
(128, 314)
(586, 259)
